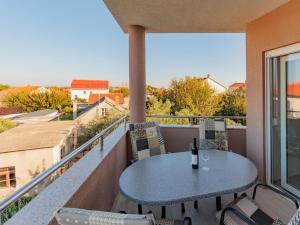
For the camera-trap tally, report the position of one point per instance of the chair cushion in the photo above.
(295, 220)
(73, 216)
(278, 222)
(146, 140)
(249, 208)
(213, 134)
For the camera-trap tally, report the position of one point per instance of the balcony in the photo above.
(93, 181)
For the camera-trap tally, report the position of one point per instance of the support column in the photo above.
(137, 75)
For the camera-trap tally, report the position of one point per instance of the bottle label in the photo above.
(194, 159)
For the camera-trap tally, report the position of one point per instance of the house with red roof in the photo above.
(237, 86)
(84, 88)
(118, 98)
(293, 100)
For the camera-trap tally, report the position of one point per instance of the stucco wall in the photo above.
(276, 29)
(178, 138)
(85, 94)
(28, 163)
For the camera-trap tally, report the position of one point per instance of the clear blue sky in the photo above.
(50, 42)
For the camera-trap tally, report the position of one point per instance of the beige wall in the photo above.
(177, 139)
(276, 29)
(28, 163)
(101, 188)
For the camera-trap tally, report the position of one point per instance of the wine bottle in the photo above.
(195, 158)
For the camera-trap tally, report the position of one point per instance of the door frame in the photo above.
(294, 48)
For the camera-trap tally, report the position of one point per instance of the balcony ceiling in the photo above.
(190, 16)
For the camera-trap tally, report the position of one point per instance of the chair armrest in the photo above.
(237, 213)
(284, 194)
(187, 221)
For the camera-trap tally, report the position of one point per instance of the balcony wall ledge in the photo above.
(41, 210)
(197, 126)
(179, 126)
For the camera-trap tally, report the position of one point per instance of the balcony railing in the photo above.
(12, 204)
(15, 202)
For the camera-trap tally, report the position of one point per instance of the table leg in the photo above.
(196, 204)
(218, 203)
(235, 195)
(182, 208)
(140, 210)
(163, 212)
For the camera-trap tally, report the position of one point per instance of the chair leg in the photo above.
(140, 209)
(163, 212)
(196, 204)
(235, 195)
(182, 208)
(218, 203)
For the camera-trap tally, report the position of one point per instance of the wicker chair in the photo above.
(268, 206)
(73, 216)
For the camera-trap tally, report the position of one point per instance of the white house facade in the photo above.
(84, 88)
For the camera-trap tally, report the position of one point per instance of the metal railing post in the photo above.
(18, 194)
(101, 143)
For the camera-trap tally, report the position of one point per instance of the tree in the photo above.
(195, 95)
(97, 125)
(4, 87)
(123, 90)
(157, 106)
(33, 101)
(6, 124)
(233, 103)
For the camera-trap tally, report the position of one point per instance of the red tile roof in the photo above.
(118, 98)
(10, 110)
(237, 86)
(90, 84)
(293, 89)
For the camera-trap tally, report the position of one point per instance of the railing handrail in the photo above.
(196, 117)
(42, 176)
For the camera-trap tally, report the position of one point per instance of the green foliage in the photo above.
(14, 208)
(96, 125)
(6, 124)
(81, 100)
(233, 103)
(4, 87)
(195, 95)
(123, 90)
(33, 101)
(157, 106)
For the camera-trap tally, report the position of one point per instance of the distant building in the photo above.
(29, 149)
(293, 100)
(10, 112)
(44, 115)
(118, 98)
(99, 108)
(217, 86)
(84, 88)
(237, 86)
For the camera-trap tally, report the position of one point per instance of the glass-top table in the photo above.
(169, 178)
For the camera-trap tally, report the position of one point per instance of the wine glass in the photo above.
(204, 155)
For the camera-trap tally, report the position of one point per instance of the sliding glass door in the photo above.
(284, 119)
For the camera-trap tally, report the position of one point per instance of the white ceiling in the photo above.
(190, 16)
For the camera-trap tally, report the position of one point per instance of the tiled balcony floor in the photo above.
(206, 212)
(204, 215)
